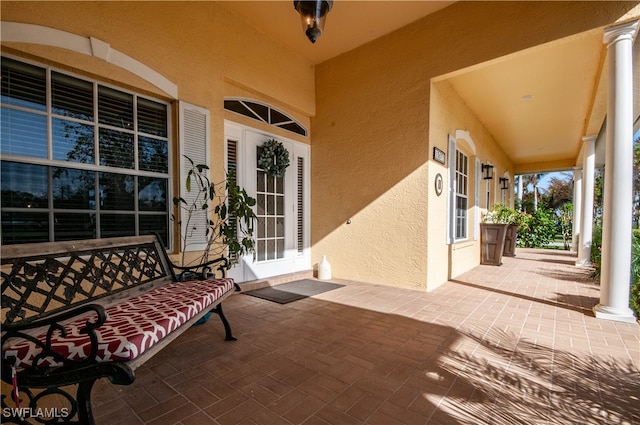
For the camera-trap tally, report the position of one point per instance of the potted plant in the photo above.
(498, 233)
(511, 218)
(228, 227)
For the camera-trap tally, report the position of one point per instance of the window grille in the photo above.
(80, 160)
(264, 113)
(270, 215)
(462, 182)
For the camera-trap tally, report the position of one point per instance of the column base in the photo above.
(584, 263)
(616, 314)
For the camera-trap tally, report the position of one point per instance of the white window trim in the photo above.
(451, 174)
(465, 174)
(451, 205)
(37, 34)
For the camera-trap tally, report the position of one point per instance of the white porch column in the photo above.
(577, 208)
(615, 275)
(520, 192)
(586, 221)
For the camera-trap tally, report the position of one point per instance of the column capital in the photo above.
(590, 138)
(624, 31)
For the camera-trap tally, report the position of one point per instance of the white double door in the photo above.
(282, 204)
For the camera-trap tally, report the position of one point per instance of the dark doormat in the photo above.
(293, 291)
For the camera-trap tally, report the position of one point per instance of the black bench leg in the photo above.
(227, 329)
(76, 410)
(85, 414)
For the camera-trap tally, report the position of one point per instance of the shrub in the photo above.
(596, 250)
(500, 213)
(634, 299)
(537, 229)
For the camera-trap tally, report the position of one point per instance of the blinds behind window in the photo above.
(194, 142)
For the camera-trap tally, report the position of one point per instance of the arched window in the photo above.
(265, 113)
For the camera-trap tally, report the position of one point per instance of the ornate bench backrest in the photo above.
(42, 279)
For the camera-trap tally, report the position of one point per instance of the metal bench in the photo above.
(77, 311)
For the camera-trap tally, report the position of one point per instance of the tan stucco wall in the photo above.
(449, 115)
(372, 133)
(205, 50)
(372, 141)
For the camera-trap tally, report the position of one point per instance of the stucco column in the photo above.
(615, 274)
(577, 208)
(586, 220)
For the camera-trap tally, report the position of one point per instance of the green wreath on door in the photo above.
(274, 158)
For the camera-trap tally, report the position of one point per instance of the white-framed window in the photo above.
(80, 159)
(462, 186)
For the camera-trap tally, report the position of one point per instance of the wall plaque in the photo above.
(439, 155)
(439, 184)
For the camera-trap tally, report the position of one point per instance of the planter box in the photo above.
(492, 237)
(510, 240)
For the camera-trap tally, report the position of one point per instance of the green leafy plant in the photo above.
(537, 229)
(634, 298)
(596, 251)
(229, 225)
(500, 213)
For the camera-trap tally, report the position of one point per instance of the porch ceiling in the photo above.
(538, 103)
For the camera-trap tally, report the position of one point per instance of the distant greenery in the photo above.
(565, 223)
(536, 229)
(634, 299)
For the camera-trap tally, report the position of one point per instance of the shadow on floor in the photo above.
(569, 303)
(526, 382)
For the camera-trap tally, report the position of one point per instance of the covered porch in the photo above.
(516, 344)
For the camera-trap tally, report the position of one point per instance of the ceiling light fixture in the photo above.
(313, 14)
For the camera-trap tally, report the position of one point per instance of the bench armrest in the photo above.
(203, 270)
(56, 324)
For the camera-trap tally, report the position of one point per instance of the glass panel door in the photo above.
(282, 205)
(270, 197)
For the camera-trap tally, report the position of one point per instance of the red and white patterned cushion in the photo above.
(131, 327)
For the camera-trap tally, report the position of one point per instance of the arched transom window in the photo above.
(265, 113)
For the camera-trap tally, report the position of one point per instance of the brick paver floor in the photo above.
(515, 344)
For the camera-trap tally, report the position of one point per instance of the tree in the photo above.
(560, 191)
(565, 221)
(531, 180)
(229, 228)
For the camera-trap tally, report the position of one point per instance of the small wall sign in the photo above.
(439, 155)
(439, 184)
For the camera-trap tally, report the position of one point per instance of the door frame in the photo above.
(296, 258)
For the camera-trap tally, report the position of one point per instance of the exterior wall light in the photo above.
(487, 171)
(504, 183)
(313, 14)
